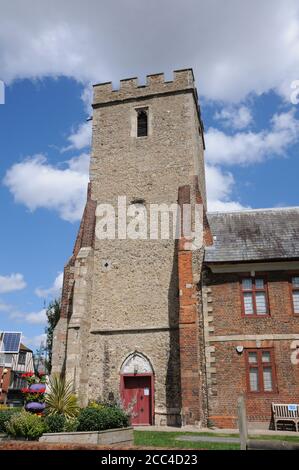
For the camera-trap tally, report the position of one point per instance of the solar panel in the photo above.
(11, 342)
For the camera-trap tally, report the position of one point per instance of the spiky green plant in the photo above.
(60, 398)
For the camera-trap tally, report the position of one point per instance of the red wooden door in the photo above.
(137, 391)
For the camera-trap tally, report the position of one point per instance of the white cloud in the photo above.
(4, 307)
(81, 138)
(34, 318)
(53, 291)
(11, 283)
(234, 47)
(250, 147)
(37, 184)
(86, 97)
(219, 188)
(235, 117)
(35, 341)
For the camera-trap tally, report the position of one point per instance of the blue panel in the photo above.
(11, 342)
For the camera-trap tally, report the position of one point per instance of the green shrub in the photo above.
(55, 423)
(71, 425)
(25, 424)
(94, 404)
(5, 415)
(99, 419)
(59, 423)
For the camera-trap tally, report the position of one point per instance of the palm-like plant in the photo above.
(60, 398)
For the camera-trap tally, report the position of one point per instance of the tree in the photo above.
(53, 315)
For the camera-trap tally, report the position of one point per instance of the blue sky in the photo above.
(48, 61)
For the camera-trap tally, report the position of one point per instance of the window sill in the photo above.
(250, 315)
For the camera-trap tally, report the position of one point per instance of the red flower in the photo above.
(25, 390)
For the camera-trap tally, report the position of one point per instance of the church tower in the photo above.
(130, 317)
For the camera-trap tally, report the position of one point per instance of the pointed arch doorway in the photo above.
(137, 388)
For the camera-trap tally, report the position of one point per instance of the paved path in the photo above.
(252, 432)
(227, 440)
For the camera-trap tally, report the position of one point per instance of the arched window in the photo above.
(142, 122)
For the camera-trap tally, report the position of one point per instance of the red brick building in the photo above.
(251, 313)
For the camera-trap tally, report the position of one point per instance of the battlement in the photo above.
(155, 84)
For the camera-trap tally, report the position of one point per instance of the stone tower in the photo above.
(130, 317)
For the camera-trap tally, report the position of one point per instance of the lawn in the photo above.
(169, 440)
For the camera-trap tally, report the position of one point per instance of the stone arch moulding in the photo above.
(136, 363)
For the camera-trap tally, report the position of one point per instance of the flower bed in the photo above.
(108, 437)
(56, 415)
(34, 393)
(96, 424)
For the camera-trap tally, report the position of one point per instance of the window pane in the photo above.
(296, 301)
(254, 379)
(261, 305)
(248, 303)
(266, 356)
(247, 284)
(22, 358)
(252, 357)
(267, 377)
(259, 283)
(295, 281)
(141, 123)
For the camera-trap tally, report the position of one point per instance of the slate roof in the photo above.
(253, 235)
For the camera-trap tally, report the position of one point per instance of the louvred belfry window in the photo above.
(254, 297)
(142, 122)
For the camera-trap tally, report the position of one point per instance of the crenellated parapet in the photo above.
(155, 84)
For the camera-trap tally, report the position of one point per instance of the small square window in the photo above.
(247, 284)
(266, 356)
(252, 357)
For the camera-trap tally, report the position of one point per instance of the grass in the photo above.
(169, 440)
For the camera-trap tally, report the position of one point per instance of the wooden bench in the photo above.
(285, 412)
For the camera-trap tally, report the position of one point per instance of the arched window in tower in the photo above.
(142, 122)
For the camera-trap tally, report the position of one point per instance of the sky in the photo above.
(245, 57)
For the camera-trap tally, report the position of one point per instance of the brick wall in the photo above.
(228, 374)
